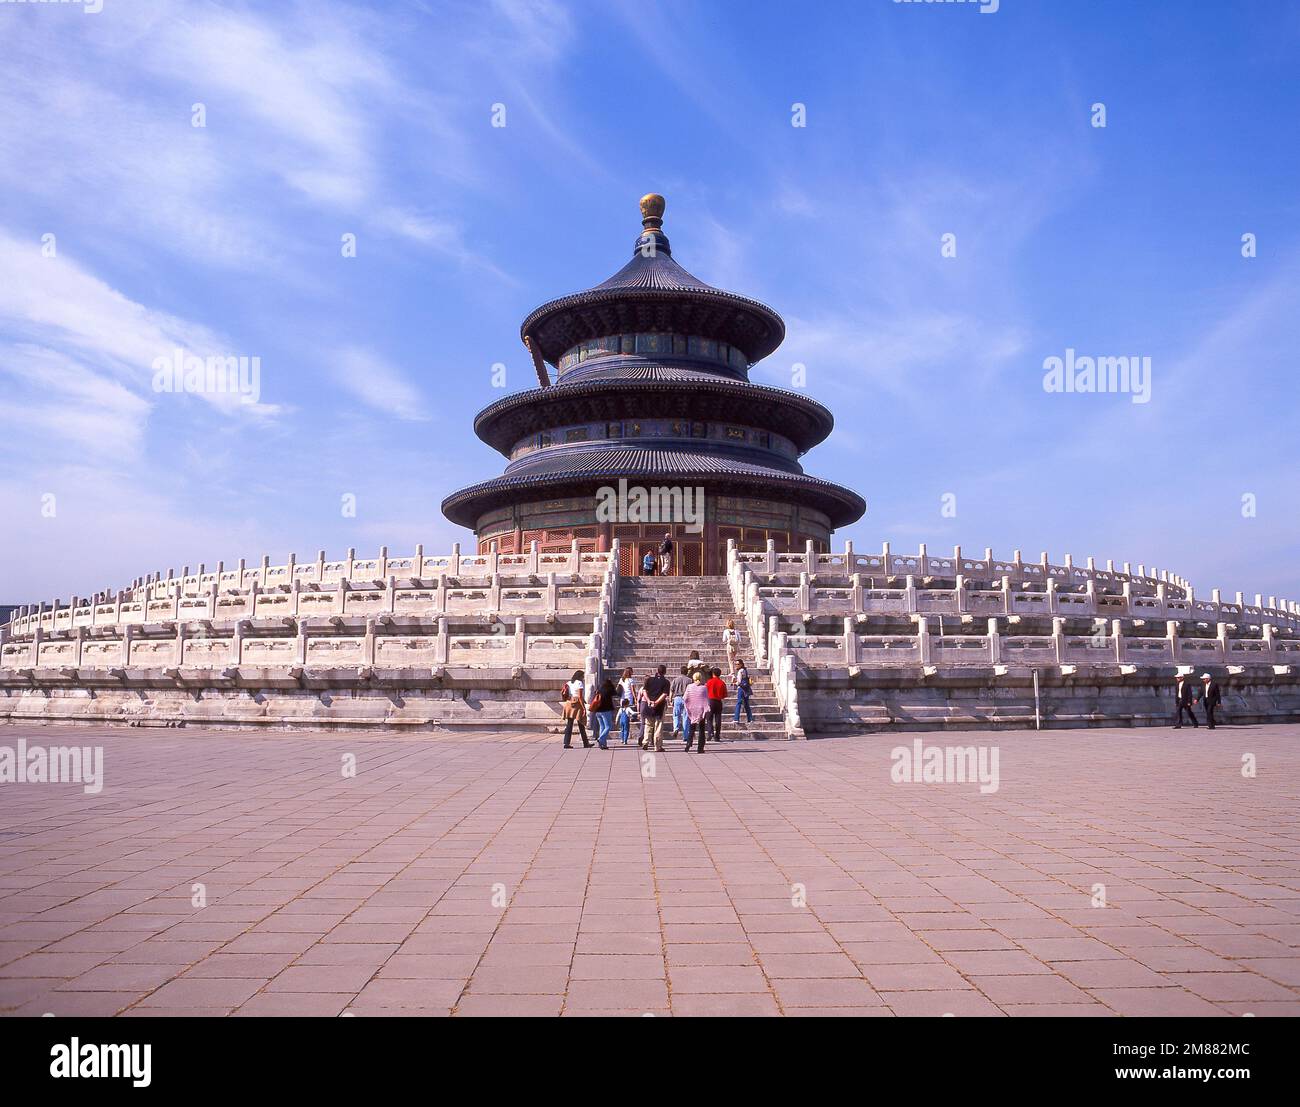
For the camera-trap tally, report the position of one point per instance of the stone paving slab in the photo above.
(1112, 872)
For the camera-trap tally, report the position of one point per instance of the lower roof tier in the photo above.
(581, 473)
(654, 391)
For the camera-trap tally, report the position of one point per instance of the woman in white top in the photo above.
(627, 688)
(731, 641)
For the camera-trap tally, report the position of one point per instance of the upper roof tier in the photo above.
(653, 293)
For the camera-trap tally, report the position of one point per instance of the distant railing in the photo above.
(782, 597)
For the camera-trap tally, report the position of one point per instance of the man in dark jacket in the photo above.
(1210, 698)
(1183, 698)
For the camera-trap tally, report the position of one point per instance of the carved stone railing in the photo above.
(377, 644)
(784, 598)
(488, 584)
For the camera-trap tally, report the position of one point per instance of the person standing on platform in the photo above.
(666, 555)
(1183, 699)
(1210, 698)
(697, 711)
(743, 690)
(648, 564)
(656, 692)
(678, 693)
(574, 710)
(717, 692)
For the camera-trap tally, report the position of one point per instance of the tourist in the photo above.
(625, 720)
(627, 690)
(574, 710)
(678, 693)
(666, 555)
(730, 641)
(648, 564)
(697, 711)
(694, 664)
(743, 691)
(717, 692)
(1210, 698)
(642, 714)
(656, 692)
(602, 708)
(1183, 698)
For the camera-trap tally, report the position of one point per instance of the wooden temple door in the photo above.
(688, 557)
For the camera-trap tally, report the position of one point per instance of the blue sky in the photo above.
(375, 120)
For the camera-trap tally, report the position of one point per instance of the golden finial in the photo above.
(652, 211)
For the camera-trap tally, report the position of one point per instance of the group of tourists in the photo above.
(692, 701)
(662, 565)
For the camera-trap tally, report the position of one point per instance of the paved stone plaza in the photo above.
(504, 875)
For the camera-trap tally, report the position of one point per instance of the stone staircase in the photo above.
(659, 620)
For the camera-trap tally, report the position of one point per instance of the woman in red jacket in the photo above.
(717, 693)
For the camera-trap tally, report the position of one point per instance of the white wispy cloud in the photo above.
(378, 384)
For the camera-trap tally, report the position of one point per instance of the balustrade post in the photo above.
(850, 641)
(923, 638)
(521, 641)
(995, 642)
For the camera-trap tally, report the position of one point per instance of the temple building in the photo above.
(652, 405)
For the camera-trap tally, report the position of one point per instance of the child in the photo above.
(648, 565)
(625, 720)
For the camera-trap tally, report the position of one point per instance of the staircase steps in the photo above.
(659, 620)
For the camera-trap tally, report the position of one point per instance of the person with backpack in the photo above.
(731, 643)
(743, 691)
(574, 710)
(601, 707)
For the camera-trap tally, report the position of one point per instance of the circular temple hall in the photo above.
(651, 426)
